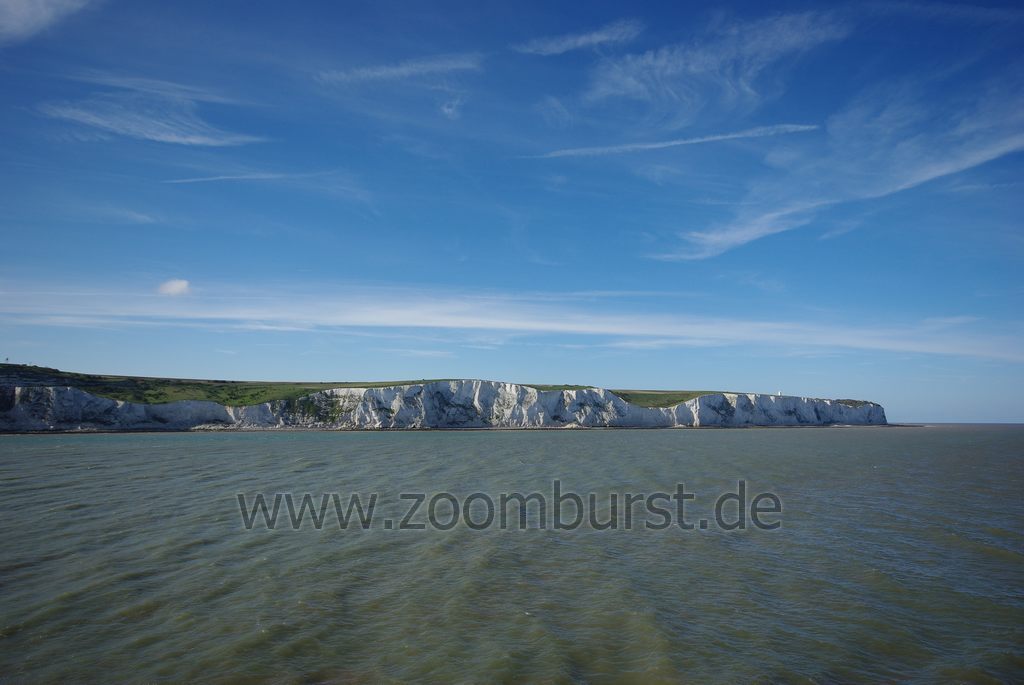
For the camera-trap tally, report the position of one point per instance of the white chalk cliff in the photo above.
(442, 404)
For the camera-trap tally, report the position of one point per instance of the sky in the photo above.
(818, 200)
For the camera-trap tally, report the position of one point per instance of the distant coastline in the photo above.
(38, 399)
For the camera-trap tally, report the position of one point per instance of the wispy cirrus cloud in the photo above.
(621, 31)
(888, 140)
(151, 86)
(22, 19)
(157, 119)
(377, 310)
(747, 228)
(335, 182)
(424, 66)
(254, 176)
(554, 113)
(758, 132)
(122, 215)
(147, 109)
(722, 69)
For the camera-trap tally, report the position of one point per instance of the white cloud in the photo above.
(452, 109)
(157, 87)
(759, 132)
(617, 32)
(115, 215)
(254, 176)
(147, 109)
(555, 114)
(173, 287)
(22, 19)
(722, 70)
(888, 140)
(427, 66)
(373, 310)
(130, 216)
(410, 352)
(336, 182)
(138, 115)
(715, 241)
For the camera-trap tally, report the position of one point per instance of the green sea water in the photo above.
(900, 557)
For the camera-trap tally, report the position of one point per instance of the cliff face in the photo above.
(445, 404)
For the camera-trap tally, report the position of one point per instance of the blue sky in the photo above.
(818, 200)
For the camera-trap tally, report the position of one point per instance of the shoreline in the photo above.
(170, 431)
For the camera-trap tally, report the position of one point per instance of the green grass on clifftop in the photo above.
(641, 398)
(661, 398)
(151, 390)
(159, 390)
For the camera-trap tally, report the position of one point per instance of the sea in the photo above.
(784, 555)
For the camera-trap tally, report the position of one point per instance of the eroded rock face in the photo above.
(444, 404)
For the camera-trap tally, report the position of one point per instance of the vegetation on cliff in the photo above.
(152, 390)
